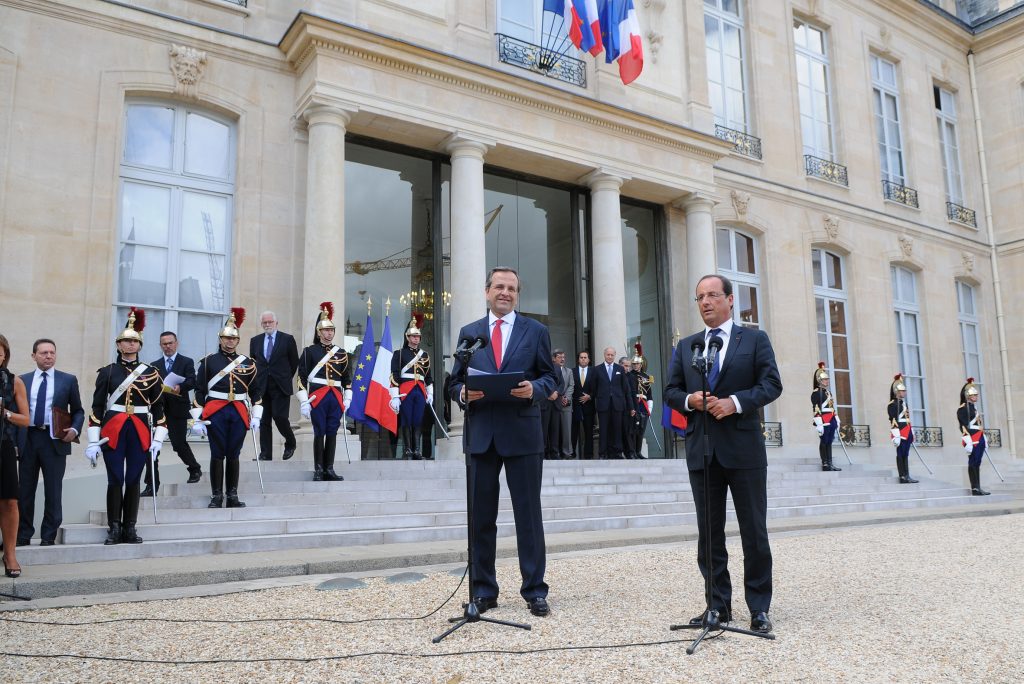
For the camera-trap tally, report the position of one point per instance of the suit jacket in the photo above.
(612, 393)
(177, 405)
(279, 369)
(512, 426)
(569, 389)
(749, 372)
(66, 396)
(589, 388)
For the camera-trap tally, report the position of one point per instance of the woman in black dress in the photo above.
(13, 414)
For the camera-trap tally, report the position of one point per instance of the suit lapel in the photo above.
(518, 331)
(734, 346)
(483, 359)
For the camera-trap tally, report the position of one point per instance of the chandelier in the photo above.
(421, 300)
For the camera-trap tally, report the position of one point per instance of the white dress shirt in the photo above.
(509, 320)
(726, 337)
(48, 406)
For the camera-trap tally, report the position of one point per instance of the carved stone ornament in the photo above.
(814, 8)
(831, 226)
(886, 34)
(946, 71)
(906, 246)
(654, 40)
(968, 260)
(187, 65)
(740, 201)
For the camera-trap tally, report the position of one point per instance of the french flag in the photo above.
(583, 22)
(378, 399)
(621, 33)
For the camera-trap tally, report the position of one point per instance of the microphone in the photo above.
(470, 345)
(698, 349)
(714, 346)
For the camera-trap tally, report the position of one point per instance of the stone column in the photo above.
(469, 263)
(700, 251)
(609, 324)
(323, 277)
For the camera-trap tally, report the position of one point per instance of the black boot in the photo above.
(130, 515)
(217, 482)
(330, 445)
(318, 458)
(417, 435)
(974, 472)
(114, 500)
(407, 443)
(232, 484)
(906, 479)
(826, 459)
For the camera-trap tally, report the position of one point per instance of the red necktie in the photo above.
(496, 343)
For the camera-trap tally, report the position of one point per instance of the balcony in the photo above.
(928, 436)
(772, 433)
(826, 170)
(994, 438)
(540, 60)
(954, 212)
(747, 145)
(899, 193)
(240, 3)
(855, 435)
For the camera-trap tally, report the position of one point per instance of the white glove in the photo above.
(305, 408)
(255, 414)
(348, 398)
(895, 436)
(839, 423)
(196, 413)
(968, 444)
(199, 428)
(93, 450)
(430, 394)
(650, 407)
(302, 395)
(155, 444)
(396, 404)
(819, 425)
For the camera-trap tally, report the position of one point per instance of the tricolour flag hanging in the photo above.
(378, 401)
(582, 22)
(362, 372)
(670, 418)
(620, 32)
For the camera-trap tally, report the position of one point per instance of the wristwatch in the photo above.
(7, 414)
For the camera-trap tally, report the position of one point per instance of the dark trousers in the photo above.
(750, 497)
(973, 459)
(227, 434)
(551, 420)
(325, 416)
(523, 475)
(125, 463)
(275, 410)
(610, 442)
(583, 434)
(40, 456)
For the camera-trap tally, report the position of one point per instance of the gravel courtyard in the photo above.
(931, 601)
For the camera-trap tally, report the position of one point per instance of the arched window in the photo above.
(830, 303)
(738, 260)
(723, 42)
(177, 188)
(909, 345)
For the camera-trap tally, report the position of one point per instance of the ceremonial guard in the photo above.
(126, 422)
(227, 405)
(973, 434)
(324, 374)
(901, 431)
(640, 384)
(411, 389)
(826, 419)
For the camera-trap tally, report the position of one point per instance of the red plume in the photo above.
(140, 319)
(970, 380)
(418, 315)
(897, 376)
(239, 313)
(639, 348)
(821, 364)
(330, 309)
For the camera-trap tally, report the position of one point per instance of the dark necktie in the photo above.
(39, 417)
(270, 346)
(715, 369)
(496, 343)
(170, 362)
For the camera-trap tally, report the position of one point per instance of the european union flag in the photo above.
(362, 373)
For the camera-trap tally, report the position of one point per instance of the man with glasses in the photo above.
(743, 378)
(277, 358)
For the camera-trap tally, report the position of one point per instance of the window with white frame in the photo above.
(738, 261)
(830, 303)
(885, 94)
(814, 90)
(945, 118)
(723, 40)
(970, 343)
(176, 203)
(909, 345)
(528, 21)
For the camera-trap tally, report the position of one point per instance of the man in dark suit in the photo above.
(42, 450)
(506, 432)
(743, 379)
(612, 403)
(583, 407)
(277, 358)
(176, 406)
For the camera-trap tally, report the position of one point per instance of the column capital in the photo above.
(323, 113)
(694, 202)
(460, 144)
(604, 179)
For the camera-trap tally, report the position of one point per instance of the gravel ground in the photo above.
(932, 601)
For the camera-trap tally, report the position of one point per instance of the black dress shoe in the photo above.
(906, 479)
(265, 457)
(288, 453)
(759, 622)
(724, 615)
(23, 542)
(539, 606)
(148, 491)
(194, 476)
(485, 603)
(46, 542)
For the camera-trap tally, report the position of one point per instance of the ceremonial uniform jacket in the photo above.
(824, 404)
(335, 375)
(140, 403)
(899, 417)
(970, 422)
(640, 383)
(410, 368)
(238, 387)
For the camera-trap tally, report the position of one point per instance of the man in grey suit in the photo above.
(42, 450)
(559, 420)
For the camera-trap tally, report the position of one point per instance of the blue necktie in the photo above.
(270, 346)
(713, 373)
(169, 363)
(39, 417)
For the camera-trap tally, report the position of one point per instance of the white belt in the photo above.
(121, 408)
(230, 397)
(321, 381)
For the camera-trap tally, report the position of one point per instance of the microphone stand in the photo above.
(711, 619)
(471, 613)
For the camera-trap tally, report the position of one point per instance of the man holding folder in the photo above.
(505, 431)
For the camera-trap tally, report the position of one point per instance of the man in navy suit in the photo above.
(506, 432)
(743, 379)
(612, 402)
(277, 358)
(177, 403)
(583, 407)
(43, 451)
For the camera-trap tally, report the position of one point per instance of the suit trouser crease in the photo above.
(275, 410)
(41, 456)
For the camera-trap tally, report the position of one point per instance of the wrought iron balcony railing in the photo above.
(240, 3)
(855, 435)
(541, 60)
(743, 143)
(772, 434)
(899, 193)
(994, 438)
(960, 214)
(928, 436)
(826, 170)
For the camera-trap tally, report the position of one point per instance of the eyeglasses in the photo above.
(709, 295)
